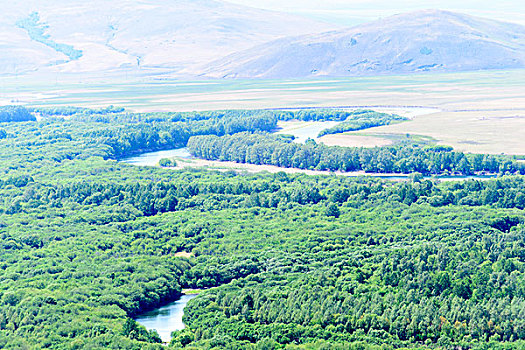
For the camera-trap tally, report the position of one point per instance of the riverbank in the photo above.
(257, 168)
(167, 318)
(188, 162)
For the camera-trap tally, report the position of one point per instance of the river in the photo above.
(304, 130)
(166, 319)
(152, 158)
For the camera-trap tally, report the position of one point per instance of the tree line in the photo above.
(256, 148)
(15, 114)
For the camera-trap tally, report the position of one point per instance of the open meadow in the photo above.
(479, 112)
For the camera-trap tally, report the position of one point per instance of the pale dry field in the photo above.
(355, 140)
(494, 132)
(184, 254)
(470, 119)
(474, 112)
(482, 131)
(185, 163)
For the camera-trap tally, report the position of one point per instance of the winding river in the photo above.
(152, 158)
(305, 130)
(166, 319)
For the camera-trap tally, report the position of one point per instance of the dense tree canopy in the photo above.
(285, 260)
(15, 114)
(257, 148)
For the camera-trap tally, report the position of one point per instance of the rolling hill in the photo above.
(156, 35)
(423, 41)
(217, 39)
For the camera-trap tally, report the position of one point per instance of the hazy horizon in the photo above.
(350, 13)
(188, 38)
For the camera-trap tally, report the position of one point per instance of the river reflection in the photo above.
(152, 158)
(166, 319)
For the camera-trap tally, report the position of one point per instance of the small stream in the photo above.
(166, 319)
(308, 130)
(152, 158)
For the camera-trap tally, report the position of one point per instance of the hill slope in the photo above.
(97, 36)
(423, 41)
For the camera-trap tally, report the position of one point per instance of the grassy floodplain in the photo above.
(478, 112)
(284, 261)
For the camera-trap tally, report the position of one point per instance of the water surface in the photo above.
(166, 319)
(152, 158)
(305, 130)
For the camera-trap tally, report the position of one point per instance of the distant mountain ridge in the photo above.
(423, 41)
(71, 36)
(216, 39)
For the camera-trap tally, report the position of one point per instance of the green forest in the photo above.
(284, 261)
(15, 114)
(407, 157)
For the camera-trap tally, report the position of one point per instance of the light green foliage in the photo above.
(167, 163)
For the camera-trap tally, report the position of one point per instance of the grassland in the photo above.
(497, 131)
(474, 112)
(355, 140)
